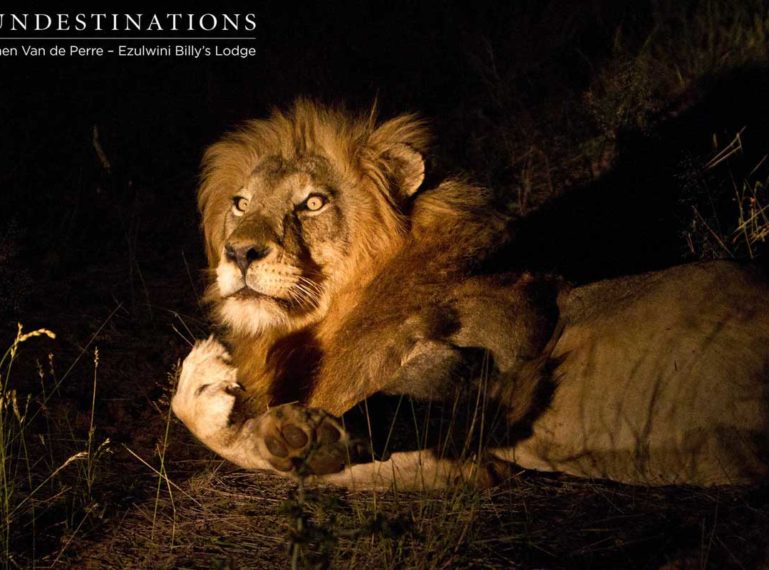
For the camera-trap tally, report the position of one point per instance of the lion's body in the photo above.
(337, 282)
(664, 378)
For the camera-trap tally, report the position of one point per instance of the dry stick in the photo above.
(187, 328)
(742, 227)
(296, 546)
(752, 220)
(165, 477)
(714, 234)
(371, 440)
(734, 146)
(77, 457)
(79, 356)
(162, 456)
(192, 282)
(70, 539)
(181, 336)
(91, 430)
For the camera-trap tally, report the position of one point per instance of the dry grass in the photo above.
(741, 233)
(168, 504)
(173, 506)
(659, 57)
(687, 41)
(222, 518)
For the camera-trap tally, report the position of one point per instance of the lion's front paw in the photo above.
(207, 389)
(304, 441)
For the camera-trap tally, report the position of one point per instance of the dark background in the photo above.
(593, 121)
(509, 88)
(80, 240)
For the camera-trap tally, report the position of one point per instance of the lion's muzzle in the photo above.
(245, 252)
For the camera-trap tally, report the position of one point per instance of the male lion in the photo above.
(338, 279)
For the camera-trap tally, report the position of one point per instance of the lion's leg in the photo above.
(428, 370)
(421, 470)
(297, 440)
(310, 443)
(427, 420)
(288, 438)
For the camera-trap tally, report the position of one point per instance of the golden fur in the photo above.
(358, 148)
(379, 166)
(377, 288)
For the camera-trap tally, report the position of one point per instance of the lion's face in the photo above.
(297, 223)
(289, 231)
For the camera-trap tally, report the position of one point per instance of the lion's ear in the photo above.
(407, 168)
(397, 146)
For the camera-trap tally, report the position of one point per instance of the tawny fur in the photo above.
(394, 238)
(399, 288)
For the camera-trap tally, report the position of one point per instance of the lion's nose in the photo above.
(244, 255)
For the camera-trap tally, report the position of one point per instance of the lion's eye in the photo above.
(314, 203)
(239, 205)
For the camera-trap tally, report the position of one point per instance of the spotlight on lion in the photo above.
(332, 295)
(590, 380)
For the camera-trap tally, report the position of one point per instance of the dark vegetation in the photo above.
(627, 136)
